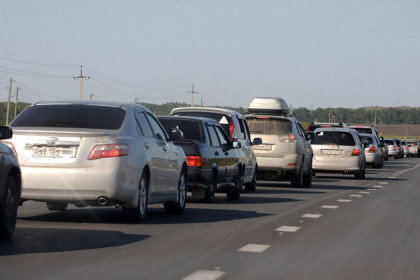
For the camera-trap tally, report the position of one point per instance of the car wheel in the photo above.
(235, 194)
(179, 206)
(252, 186)
(211, 189)
(8, 209)
(138, 214)
(307, 179)
(297, 180)
(57, 206)
(362, 174)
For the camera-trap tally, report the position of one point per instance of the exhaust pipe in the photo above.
(102, 201)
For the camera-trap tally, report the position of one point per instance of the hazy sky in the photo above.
(312, 53)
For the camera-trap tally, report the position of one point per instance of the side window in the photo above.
(242, 135)
(157, 129)
(213, 136)
(300, 130)
(144, 124)
(222, 135)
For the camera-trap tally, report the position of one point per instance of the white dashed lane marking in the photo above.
(344, 200)
(254, 248)
(383, 183)
(366, 192)
(205, 275)
(372, 189)
(378, 186)
(330, 206)
(312, 216)
(288, 229)
(355, 195)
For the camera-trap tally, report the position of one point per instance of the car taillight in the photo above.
(231, 130)
(355, 152)
(406, 148)
(371, 149)
(108, 150)
(394, 148)
(194, 161)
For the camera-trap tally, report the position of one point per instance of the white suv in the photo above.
(284, 152)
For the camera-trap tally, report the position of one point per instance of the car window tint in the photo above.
(144, 125)
(367, 139)
(191, 129)
(242, 134)
(334, 138)
(222, 119)
(363, 130)
(213, 136)
(157, 129)
(222, 135)
(71, 116)
(269, 126)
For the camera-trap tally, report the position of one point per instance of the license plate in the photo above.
(331, 152)
(53, 152)
(262, 147)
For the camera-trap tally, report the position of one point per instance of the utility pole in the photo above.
(192, 95)
(81, 77)
(331, 116)
(16, 102)
(8, 101)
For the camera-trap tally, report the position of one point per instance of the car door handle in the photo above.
(146, 145)
(216, 153)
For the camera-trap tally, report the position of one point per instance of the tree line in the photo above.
(364, 115)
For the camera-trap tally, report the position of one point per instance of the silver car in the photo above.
(90, 153)
(373, 152)
(284, 152)
(10, 185)
(338, 150)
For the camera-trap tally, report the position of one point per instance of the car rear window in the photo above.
(367, 139)
(269, 126)
(363, 130)
(191, 129)
(223, 119)
(71, 116)
(333, 138)
(390, 142)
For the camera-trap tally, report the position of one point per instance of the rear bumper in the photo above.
(287, 164)
(348, 166)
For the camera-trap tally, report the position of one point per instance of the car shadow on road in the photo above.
(46, 240)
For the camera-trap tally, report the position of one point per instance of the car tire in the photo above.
(57, 206)
(179, 206)
(297, 179)
(139, 213)
(8, 209)
(307, 179)
(235, 193)
(252, 186)
(211, 189)
(362, 174)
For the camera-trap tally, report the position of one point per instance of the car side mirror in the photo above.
(5, 132)
(176, 134)
(257, 141)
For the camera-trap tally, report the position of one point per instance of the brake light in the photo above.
(355, 152)
(108, 150)
(371, 149)
(194, 161)
(231, 129)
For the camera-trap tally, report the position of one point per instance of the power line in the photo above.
(32, 74)
(41, 64)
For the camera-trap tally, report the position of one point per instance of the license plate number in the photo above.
(262, 147)
(53, 152)
(331, 152)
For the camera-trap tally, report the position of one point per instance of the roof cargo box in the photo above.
(268, 105)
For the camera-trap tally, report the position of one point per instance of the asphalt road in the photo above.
(341, 228)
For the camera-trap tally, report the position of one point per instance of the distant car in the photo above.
(413, 146)
(314, 125)
(213, 164)
(400, 148)
(10, 186)
(373, 151)
(284, 153)
(365, 129)
(338, 150)
(236, 128)
(99, 154)
(405, 148)
(392, 146)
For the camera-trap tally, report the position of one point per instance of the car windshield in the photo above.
(333, 138)
(269, 126)
(191, 129)
(71, 116)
